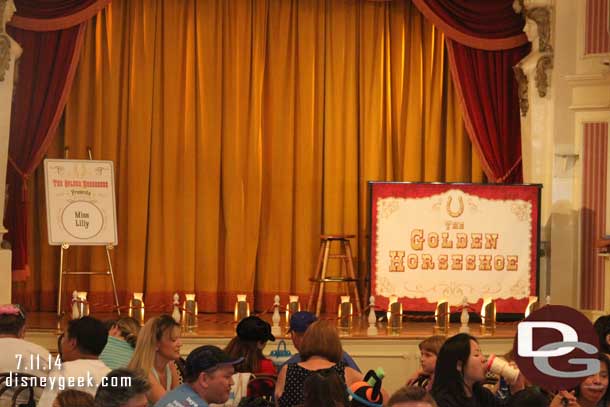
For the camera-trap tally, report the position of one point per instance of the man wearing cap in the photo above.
(208, 379)
(299, 321)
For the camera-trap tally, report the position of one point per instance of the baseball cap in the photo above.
(254, 329)
(299, 321)
(208, 357)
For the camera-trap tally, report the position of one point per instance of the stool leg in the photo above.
(351, 273)
(315, 286)
(323, 276)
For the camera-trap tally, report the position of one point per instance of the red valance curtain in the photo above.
(484, 42)
(51, 34)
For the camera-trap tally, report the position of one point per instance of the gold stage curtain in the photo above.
(241, 131)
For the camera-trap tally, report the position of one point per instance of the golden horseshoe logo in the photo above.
(460, 210)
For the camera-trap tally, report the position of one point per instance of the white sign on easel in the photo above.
(81, 206)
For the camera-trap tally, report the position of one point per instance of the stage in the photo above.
(397, 353)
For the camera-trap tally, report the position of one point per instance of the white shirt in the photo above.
(81, 374)
(21, 356)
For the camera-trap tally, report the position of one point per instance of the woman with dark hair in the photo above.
(602, 327)
(325, 388)
(459, 374)
(591, 392)
(252, 336)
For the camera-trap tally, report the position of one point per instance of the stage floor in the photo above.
(397, 353)
(223, 326)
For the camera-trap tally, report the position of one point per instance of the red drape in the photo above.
(488, 93)
(50, 33)
(484, 42)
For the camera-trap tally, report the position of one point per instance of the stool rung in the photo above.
(334, 280)
(85, 272)
(337, 256)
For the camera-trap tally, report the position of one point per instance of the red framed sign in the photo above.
(443, 241)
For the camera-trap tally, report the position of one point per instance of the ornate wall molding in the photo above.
(5, 55)
(7, 9)
(542, 80)
(522, 83)
(538, 19)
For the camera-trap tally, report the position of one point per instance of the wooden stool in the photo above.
(320, 278)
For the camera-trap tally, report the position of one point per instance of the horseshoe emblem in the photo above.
(459, 211)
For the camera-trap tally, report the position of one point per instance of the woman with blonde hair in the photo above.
(157, 348)
(122, 338)
(320, 349)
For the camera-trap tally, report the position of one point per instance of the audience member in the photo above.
(325, 388)
(12, 332)
(252, 336)
(299, 321)
(411, 396)
(73, 398)
(320, 349)
(529, 397)
(602, 327)
(157, 348)
(209, 377)
(459, 374)
(80, 347)
(122, 338)
(125, 388)
(591, 392)
(428, 349)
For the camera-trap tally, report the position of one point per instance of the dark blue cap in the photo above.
(206, 358)
(299, 321)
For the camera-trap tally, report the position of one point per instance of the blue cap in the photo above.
(299, 321)
(207, 357)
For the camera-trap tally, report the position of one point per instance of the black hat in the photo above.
(207, 357)
(254, 329)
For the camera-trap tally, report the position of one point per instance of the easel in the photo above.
(66, 246)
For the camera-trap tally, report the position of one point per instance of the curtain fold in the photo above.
(52, 15)
(491, 112)
(241, 131)
(46, 71)
(480, 24)
(484, 42)
(51, 35)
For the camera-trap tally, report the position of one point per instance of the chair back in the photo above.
(263, 386)
(18, 383)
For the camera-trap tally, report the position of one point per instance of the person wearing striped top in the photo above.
(122, 338)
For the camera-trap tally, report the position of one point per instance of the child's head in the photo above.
(411, 396)
(429, 349)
